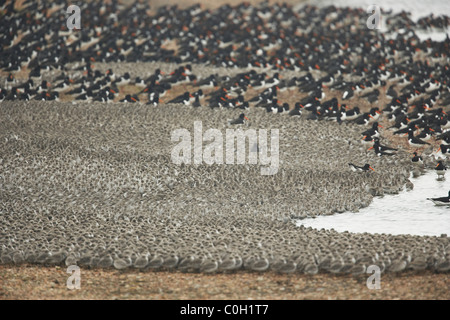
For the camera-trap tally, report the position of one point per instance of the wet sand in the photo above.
(32, 282)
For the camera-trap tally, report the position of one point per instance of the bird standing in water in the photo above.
(442, 201)
(440, 169)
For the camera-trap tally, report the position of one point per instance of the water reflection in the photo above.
(408, 212)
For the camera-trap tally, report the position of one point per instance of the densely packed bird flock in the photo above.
(86, 115)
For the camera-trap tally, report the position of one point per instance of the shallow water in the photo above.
(408, 212)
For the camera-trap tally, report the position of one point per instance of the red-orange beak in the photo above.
(371, 168)
(246, 118)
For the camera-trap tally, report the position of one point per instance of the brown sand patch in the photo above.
(37, 282)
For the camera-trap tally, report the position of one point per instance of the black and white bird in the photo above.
(417, 160)
(185, 98)
(351, 114)
(442, 201)
(348, 93)
(443, 150)
(381, 150)
(297, 111)
(241, 120)
(413, 141)
(440, 169)
(364, 168)
(373, 132)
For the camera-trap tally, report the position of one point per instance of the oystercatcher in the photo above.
(443, 150)
(426, 133)
(351, 114)
(372, 96)
(413, 141)
(130, 98)
(391, 93)
(386, 149)
(374, 114)
(363, 119)
(154, 99)
(367, 141)
(440, 169)
(356, 168)
(442, 201)
(373, 132)
(417, 159)
(348, 93)
(241, 120)
(185, 98)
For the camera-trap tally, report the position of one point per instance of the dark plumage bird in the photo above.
(363, 119)
(197, 101)
(364, 168)
(380, 153)
(297, 111)
(417, 159)
(385, 149)
(373, 132)
(440, 169)
(348, 93)
(426, 133)
(130, 98)
(372, 96)
(401, 121)
(413, 141)
(184, 98)
(391, 93)
(443, 150)
(441, 201)
(154, 99)
(352, 114)
(367, 141)
(241, 120)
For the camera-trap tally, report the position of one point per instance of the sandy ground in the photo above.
(33, 282)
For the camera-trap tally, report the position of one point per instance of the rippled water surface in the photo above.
(408, 212)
